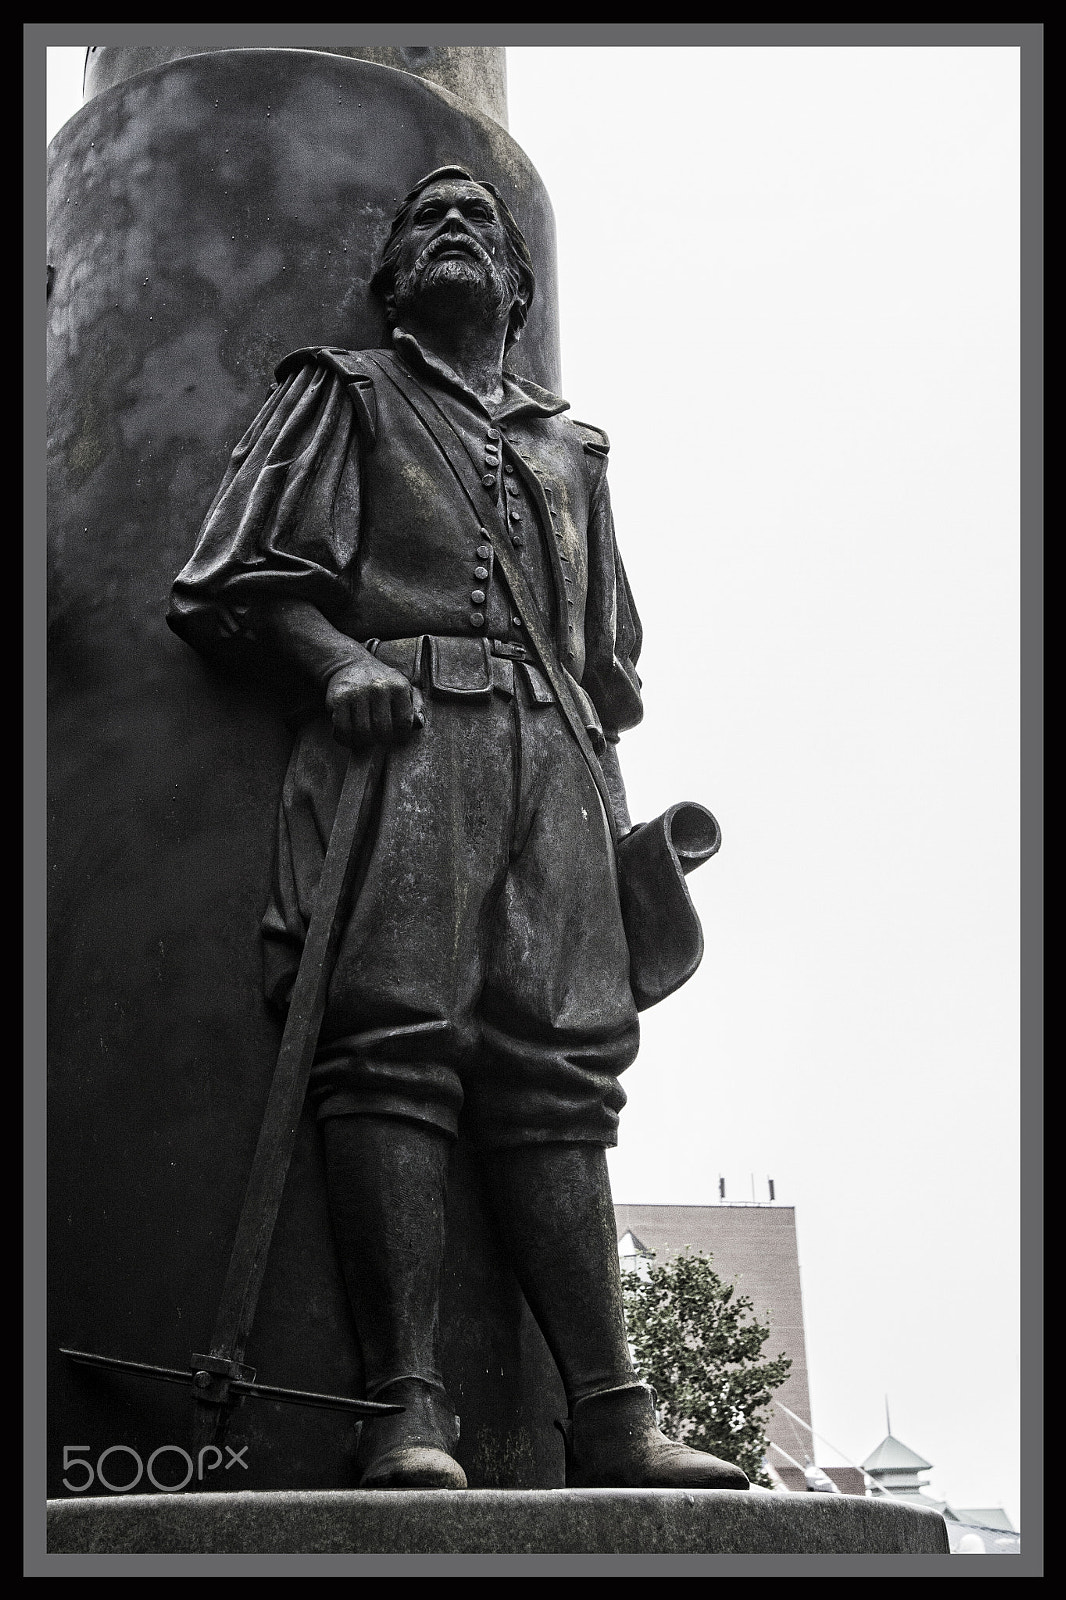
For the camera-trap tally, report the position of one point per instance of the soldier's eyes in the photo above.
(427, 215)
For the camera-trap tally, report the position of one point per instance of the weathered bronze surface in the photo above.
(475, 74)
(204, 218)
(411, 555)
(423, 542)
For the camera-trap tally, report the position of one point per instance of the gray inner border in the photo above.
(1028, 38)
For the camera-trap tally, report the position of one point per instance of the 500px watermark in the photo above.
(160, 1467)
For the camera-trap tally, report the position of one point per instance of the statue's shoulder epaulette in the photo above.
(349, 366)
(595, 440)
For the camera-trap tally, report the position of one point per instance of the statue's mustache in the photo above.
(446, 241)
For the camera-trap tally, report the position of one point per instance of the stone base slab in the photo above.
(493, 1521)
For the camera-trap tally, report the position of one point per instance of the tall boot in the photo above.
(554, 1210)
(387, 1183)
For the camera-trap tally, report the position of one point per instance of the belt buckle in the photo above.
(513, 652)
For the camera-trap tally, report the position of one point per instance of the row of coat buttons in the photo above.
(512, 488)
(515, 516)
(481, 572)
(490, 480)
(492, 458)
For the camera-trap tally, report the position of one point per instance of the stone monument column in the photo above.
(209, 212)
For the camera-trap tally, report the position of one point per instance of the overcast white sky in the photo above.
(790, 293)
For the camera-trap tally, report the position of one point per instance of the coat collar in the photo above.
(521, 397)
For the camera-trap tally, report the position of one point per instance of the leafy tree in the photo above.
(699, 1344)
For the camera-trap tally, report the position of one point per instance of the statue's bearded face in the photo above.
(454, 250)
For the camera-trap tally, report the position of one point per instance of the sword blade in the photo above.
(306, 1397)
(86, 1358)
(288, 1089)
(259, 1391)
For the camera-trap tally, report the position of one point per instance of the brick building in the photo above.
(755, 1245)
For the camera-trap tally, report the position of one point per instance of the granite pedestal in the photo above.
(494, 1521)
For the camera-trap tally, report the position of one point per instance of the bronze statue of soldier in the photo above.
(426, 542)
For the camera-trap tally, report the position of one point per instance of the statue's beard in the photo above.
(469, 284)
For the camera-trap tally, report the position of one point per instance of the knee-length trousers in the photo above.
(482, 974)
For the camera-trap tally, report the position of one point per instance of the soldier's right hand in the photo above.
(371, 703)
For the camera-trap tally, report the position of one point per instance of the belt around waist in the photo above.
(457, 668)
